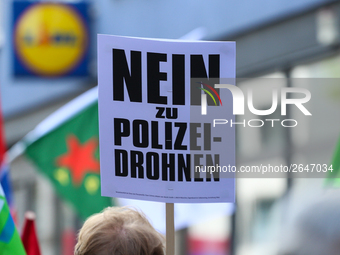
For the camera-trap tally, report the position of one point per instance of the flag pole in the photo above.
(170, 229)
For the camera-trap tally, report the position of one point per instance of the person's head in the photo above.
(316, 229)
(119, 231)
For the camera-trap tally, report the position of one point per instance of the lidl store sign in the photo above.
(50, 39)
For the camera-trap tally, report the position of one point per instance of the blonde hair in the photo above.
(119, 231)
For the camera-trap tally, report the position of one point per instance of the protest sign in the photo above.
(158, 103)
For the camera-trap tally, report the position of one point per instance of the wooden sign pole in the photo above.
(170, 229)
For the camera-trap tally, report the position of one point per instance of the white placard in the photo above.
(155, 144)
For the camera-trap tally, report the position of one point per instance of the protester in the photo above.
(317, 229)
(119, 231)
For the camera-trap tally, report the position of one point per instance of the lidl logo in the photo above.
(50, 39)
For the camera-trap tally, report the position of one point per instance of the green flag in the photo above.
(334, 176)
(10, 242)
(65, 149)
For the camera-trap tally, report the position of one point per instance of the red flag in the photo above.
(29, 236)
(4, 170)
(2, 140)
(69, 239)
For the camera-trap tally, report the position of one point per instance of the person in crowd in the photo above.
(317, 228)
(119, 231)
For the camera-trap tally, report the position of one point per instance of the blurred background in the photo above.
(295, 43)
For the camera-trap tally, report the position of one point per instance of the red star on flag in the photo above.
(79, 158)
